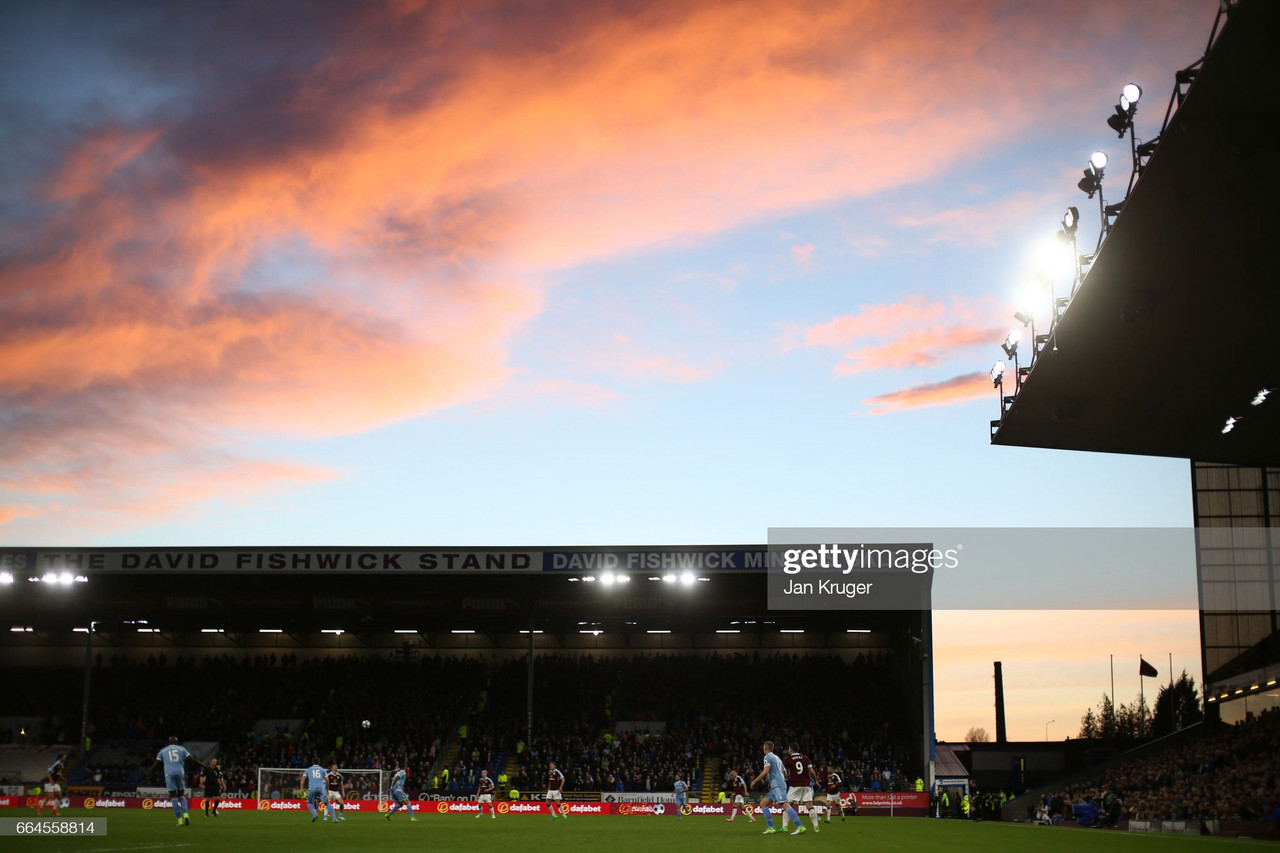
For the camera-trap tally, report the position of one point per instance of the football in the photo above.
(365, 724)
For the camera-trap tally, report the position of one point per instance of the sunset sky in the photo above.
(506, 273)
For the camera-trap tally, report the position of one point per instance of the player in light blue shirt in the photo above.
(314, 780)
(682, 796)
(174, 756)
(777, 787)
(399, 798)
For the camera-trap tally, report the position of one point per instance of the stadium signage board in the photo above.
(868, 800)
(407, 560)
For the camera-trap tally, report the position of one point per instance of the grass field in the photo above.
(264, 832)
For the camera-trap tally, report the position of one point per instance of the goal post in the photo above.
(282, 783)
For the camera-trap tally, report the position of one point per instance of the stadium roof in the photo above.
(446, 609)
(1173, 330)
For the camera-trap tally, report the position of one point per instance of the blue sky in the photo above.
(637, 274)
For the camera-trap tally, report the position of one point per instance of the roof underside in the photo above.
(1173, 329)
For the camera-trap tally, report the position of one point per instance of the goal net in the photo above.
(282, 783)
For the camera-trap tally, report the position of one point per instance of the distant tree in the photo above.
(1089, 727)
(977, 734)
(1133, 721)
(1177, 707)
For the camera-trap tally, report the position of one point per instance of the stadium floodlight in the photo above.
(595, 632)
(997, 373)
(1231, 424)
(574, 580)
(688, 579)
(607, 579)
(1261, 396)
(337, 632)
(790, 630)
(148, 630)
(589, 578)
(1071, 220)
(527, 631)
(462, 631)
(79, 630)
(623, 578)
(858, 631)
(1010, 345)
(1023, 317)
(21, 629)
(657, 632)
(670, 577)
(222, 631)
(1091, 183)
(1122, 120)
(6, 578)
(728, 631)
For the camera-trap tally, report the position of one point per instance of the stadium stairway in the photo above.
(709, 785)
(448, 756)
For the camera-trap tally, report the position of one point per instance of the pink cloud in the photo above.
(803, 257)
(915, 332)
(958, 389)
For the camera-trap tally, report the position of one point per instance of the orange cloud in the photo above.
(101, 153)
(958, 389)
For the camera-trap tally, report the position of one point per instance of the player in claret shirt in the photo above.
(555, 792)
(337, 804)
(740, 799)
(52, 792)
(799, 787)
(833, 782)
(484, 795)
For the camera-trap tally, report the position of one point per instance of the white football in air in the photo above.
(365, 724)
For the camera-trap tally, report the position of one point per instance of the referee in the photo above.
(214, 782)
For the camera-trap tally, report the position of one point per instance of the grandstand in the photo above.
(623, 685)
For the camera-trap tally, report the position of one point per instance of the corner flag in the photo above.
(1146, 670)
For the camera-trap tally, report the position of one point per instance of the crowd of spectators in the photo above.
(844, 713)
(1228, 773)
(412, 706)
(680, 711)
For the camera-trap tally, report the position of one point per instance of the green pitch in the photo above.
(258, 832)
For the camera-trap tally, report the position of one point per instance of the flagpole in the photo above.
(1142, 702)
(1173, 708)
(1113, 694)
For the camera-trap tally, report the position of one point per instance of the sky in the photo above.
(510, 273)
